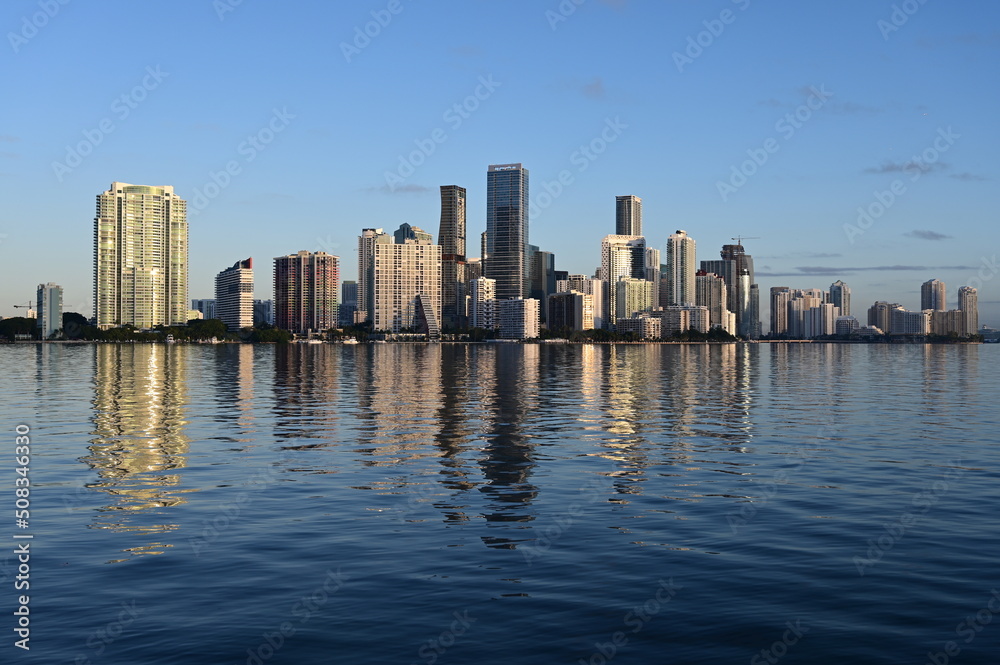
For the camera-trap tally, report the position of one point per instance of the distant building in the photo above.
(49, 309)
(645, 326)
(880, 315)
(933, 295)
(571, 309)
(483, 309)
(263, 312)
(451, 238)
(628, 215)
(591, 286)
(621, 256)
(542, 269)
(140, 257)
(519, 318)
(305, 291)
(780, 297)
(968, 302)
(234, 295)
(206, 306)
(348, 303)
(405, 286)
(710, 292)
(904, 322)
(840, 296)
(507, 229)
(632, 296)
(680, 274)
(847, 325)
(681, 318)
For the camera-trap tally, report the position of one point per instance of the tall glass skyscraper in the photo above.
(507, 229)
(451, 237)
(628, 215)
(140, 257)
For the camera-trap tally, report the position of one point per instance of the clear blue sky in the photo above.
(554, 86)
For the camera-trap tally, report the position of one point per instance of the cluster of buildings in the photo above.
(811, 313)
(409, 284)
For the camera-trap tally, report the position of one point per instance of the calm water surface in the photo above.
(507, 504)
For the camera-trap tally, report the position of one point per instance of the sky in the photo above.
(854, 140)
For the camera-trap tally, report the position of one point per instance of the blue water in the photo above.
(799, 503)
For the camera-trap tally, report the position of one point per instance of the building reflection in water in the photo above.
(232, 376)
(507, 377)
(138, 439)
(306, 411)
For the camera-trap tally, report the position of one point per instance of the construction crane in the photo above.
(739, 239)
(30, 305)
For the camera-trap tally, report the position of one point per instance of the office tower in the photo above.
(366, 267)
(621, 256)
(968, 302)
(570, 309)
(710, 292)
(204, 305)
(305, 291)
(591, 286)
(736, 268)
(542, 267)
(932, 295)
(483, 303)
(632, 296)
(561, 274)
(680, 269)
(653, 273)
(234, 295)
(405, 282)
(263, 313)
(880, 315)
(628, 215)
(840, 295)
(780, 296)
(507, 229)
(451, 238)
(140, 257)
(519, 318)
(348, 303)
(49, 309)
(406, 232)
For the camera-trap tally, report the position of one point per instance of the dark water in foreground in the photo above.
(506, 504)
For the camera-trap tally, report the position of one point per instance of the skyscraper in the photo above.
(621, 256)
(780, 297)
(234, 295)
(483, 303)
(968, 302)
(710, 292)
(840, 296)
(736, 268)
(49, 308)
(140, 257)
(305, 291)
(680, 269)
(542, 267)
(405, 283)
(933, 295)
(507, 229)
(628, 215)
(451, 238)
(366, 268)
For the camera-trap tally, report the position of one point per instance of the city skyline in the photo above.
(882, 180)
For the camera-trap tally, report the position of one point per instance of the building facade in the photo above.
(234, 295)
(968, 302)
(519, 318)
(483, 303)
(305, 291)
(680, 272)
(507, 229)
(451, 238)
(570, 309)
(933, 295)
(49, 300)
(628, 215)
(406, 283)
(140, 257)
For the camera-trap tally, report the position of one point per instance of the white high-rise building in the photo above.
(710, 292)
(405, 284)
(840, 295)
(140, 257)
(621, 256)
(483, 303)
(49, 306)
(234, 295)
(519, 318)
(632, 296)
(680, 269)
